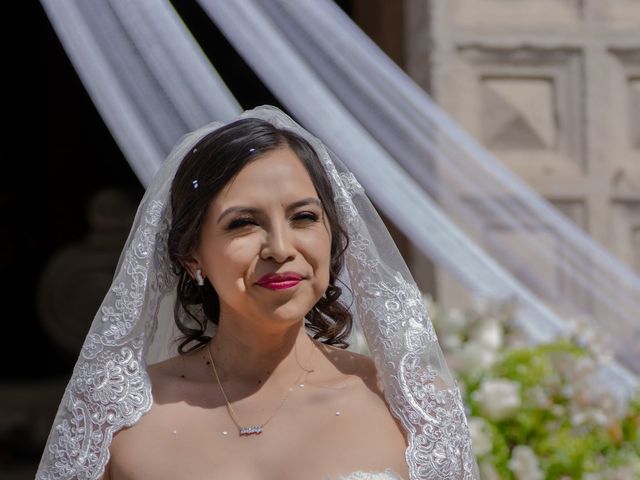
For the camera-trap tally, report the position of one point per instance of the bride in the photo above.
(261, 234)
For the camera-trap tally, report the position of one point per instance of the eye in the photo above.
(306, 216)
(241, 222)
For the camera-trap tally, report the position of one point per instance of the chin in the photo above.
(289, 314)
(289, 317)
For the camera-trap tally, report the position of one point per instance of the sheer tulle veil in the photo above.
(110, 389)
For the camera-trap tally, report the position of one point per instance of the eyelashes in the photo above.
(245, 221)
(240, 222)
(306, 216)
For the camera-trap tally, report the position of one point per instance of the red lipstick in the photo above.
(279, 281)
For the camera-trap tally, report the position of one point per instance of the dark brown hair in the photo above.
(211, 164)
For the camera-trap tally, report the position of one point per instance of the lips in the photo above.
(279, 281)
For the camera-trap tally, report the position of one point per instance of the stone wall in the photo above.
(552, 88)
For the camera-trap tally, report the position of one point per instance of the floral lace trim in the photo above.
(109, 388)
(429, 408)
(439, 439)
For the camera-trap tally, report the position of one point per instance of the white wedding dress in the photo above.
(388, 474)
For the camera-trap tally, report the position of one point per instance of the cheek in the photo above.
(229, 264)
(321, 248)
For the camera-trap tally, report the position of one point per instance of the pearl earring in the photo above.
(199, 278)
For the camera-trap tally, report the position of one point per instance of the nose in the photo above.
(278, 245)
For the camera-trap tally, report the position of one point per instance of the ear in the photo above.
(191, 265)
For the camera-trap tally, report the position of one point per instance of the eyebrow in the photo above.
(299, 203)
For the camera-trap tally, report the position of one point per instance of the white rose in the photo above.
(498, 399)
(480, 439)
(474, 357)
(524, 463)
(590, 415)
(489, 333)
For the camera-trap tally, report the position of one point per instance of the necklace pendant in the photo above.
(255, 430)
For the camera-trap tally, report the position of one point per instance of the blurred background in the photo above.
(558, 79)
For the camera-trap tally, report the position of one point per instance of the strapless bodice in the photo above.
(388, 474)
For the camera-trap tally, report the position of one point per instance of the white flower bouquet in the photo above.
(534, 411)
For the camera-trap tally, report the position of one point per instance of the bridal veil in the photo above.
(110, 389)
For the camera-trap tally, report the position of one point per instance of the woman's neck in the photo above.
(255, 358)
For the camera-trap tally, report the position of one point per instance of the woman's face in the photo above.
(267, 220)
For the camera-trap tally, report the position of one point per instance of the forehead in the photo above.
(278, 175)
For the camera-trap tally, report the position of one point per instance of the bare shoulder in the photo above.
(168, 378)
(148, 435)
(165, 387)
(354, 364)
(162, 374)
(368, 391)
